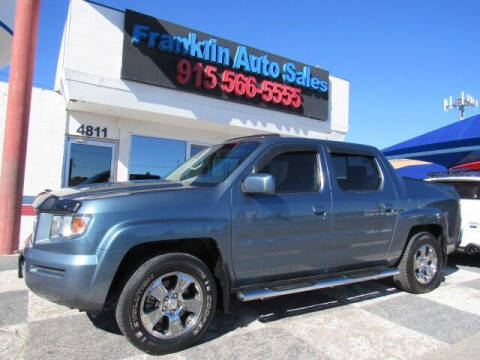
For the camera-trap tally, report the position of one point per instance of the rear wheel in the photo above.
(167, 304)
(421, 264)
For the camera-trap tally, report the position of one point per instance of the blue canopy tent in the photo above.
(448, 146)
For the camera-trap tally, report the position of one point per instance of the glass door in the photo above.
(89, 162)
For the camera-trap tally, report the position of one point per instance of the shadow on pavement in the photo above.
(105, 321)
(464, 260)
(244, 313)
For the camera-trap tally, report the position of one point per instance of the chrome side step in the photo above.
(344, 280)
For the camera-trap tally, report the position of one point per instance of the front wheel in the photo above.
(421, 264)
(167, 304)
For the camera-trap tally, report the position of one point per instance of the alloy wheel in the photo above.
(171, 305)
(425, 264)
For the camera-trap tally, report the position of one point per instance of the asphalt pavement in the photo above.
(371, 320)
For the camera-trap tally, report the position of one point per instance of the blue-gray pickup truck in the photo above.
(256, 217)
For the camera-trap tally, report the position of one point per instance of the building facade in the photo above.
(135, 96)
(7, 15)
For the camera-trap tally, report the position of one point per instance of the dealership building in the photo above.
(135, 96)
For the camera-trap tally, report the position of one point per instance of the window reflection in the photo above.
(195, 149)
(89, 164)
(214, 164)
(356, 172)
(154, 158)
(293, 172)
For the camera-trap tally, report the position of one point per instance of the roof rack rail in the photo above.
(459, 172)
(252, 137)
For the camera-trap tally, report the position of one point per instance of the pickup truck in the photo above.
(256, 217)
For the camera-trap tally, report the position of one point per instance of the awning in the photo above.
(449, 146)
(468, 166)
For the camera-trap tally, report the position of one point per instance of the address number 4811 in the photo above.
(88, 130)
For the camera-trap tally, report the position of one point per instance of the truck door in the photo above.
(364, 213)
(280, 235)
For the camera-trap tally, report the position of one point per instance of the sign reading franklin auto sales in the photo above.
(161, 53)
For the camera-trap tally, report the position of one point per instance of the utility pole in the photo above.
(16, 124)
(461, 103)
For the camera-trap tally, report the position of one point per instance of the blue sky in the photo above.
(402, 57)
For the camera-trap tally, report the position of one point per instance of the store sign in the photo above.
(161, 53)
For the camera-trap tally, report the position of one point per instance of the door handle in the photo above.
(387, 209)
(319, 212)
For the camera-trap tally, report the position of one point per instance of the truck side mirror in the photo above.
(259, 184)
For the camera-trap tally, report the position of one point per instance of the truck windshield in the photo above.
(214, 164)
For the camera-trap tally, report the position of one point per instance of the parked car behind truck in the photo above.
(467, 184)
(258, 217)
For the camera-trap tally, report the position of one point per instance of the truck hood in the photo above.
(99, 191)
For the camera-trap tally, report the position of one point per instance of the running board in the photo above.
(344, 280)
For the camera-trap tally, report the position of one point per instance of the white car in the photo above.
(467, 184)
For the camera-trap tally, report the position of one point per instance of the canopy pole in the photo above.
(16, 123)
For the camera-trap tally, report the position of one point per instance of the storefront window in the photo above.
(195, 149)
(154, 158)
(88, 162)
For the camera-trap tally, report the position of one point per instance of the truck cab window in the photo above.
(294, 172)
(356, 172)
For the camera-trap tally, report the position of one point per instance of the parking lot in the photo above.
(364, 321)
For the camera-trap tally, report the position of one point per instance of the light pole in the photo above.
(16, 122)
(461, 103)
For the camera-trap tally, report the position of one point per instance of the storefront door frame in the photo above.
(82, 141)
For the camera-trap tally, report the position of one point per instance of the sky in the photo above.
(402, 57)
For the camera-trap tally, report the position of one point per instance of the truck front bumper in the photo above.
(64, 279)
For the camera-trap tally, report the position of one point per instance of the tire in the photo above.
(159, 312)
(417, 275)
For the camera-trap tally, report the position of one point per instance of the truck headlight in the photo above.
(68, 225)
